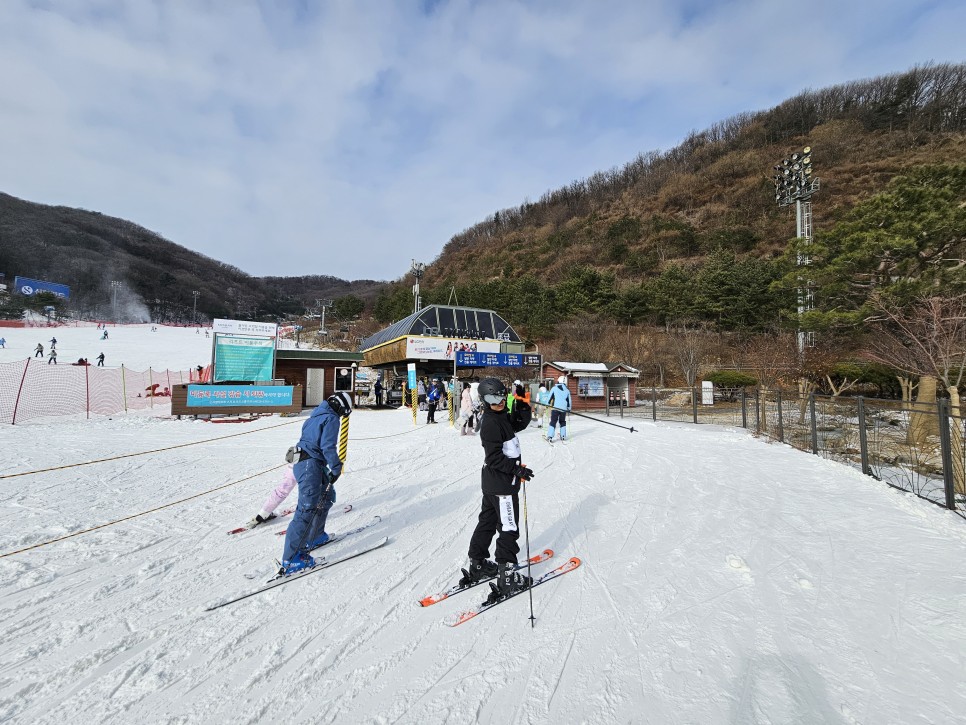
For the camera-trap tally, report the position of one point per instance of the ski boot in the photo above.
(479, 570)
(508, 582)
(297, 563)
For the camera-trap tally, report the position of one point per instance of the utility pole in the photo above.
(194, 309)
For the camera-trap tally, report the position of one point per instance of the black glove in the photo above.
(333, 476)
(523, 472)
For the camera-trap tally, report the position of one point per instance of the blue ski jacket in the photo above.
(320, 437)
(560, 397)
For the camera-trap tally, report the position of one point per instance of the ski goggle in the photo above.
(494, 399)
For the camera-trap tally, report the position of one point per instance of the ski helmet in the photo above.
(492, 391)
(340, 403)
(562, 379)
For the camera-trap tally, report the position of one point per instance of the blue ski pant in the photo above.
(313, 508)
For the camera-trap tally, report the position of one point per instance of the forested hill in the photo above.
(87, 250)
(613, 244)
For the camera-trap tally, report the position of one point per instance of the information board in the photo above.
(28, 287)
(243, 358)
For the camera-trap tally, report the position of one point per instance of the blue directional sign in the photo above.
(496, 359)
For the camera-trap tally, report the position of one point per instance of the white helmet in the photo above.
(562, 379)
(543, 389)
(517, 382)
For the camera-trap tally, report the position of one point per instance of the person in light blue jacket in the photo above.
(559, 402)
(317, 468)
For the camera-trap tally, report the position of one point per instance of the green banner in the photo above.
(249, 359)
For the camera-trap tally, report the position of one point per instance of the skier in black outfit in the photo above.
(501, 480)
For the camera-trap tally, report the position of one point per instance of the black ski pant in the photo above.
(431, 417)
(498, 515)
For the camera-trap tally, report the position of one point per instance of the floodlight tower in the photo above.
(794, 183)
(115, 286)
(194, 308)
(322, 304)
(418, 270)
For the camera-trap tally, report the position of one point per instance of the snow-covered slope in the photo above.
(724, 580)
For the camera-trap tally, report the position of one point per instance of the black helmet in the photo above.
(492, 391)
(340, 403)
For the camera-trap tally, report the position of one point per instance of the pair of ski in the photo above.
(275, 517)
(321, 562)
(543, 556)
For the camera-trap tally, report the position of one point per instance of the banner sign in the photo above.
(243, 358)
(435, 348)
(411, 376)
(27, 286)
(226, 396)
(496, 359)
(244, 327)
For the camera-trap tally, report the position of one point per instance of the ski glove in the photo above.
(333, 476)
(523, 472)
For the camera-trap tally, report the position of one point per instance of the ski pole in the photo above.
(526, 529)
(590, 417)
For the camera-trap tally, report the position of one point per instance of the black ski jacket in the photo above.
(501, 448)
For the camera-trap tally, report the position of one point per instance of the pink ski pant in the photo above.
(281, 492)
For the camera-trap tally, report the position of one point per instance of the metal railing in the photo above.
(914, 447)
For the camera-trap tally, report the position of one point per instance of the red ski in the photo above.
(456, 588)
(287, 512)
(569, 566)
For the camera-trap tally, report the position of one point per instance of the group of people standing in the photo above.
(52, 354)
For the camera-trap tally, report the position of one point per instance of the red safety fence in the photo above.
(31, 389)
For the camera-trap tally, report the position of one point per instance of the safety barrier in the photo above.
(30, 390)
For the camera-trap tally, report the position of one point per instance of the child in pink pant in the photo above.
(281, 492)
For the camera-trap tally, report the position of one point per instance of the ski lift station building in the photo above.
(433, 336)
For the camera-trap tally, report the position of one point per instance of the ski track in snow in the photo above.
(724, 579)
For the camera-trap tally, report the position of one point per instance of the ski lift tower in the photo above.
(418, 270)
(794, 183)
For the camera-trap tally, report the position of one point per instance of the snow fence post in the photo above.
(123, 388)
(811, 411)
(654, 403)
(16, 403)
(946, 448)
(87, 388)
(863, 439)
(694, 403)
(151, 387)
(758, 410)
(744, 409)
(781, 418)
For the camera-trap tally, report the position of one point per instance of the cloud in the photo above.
(347, 138)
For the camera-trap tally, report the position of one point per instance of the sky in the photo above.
(724, 579)
(349, 138)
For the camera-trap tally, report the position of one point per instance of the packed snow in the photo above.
(725, 579)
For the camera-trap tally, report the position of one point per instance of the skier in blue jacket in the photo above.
(559, 403)
(317, 468)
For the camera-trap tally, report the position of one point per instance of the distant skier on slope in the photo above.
(500, 480)
(317, 469)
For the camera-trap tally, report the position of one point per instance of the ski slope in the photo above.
(724, 580)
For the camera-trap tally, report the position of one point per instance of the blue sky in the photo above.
(347, 138)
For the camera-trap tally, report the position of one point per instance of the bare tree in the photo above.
(925, 339)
